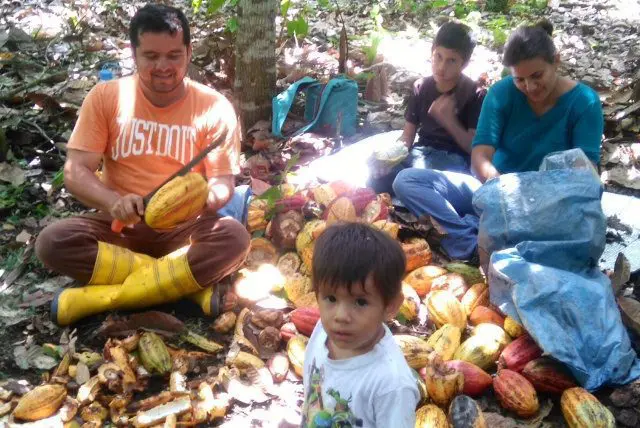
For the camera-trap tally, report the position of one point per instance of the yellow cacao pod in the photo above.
(417, 252)
(444, 308)
(244, 360)
(443, 382)
(492, 331)
(420, 279)
(39, 403)
(154, 354)
(323, 194)
(306, 239)
(476, 295)
(256, 215)
(582, 410)
(445, 341)
(410, 305)
(415, 350)
(513, 327)
(177, 201)
(296, 287)
(480, 351)
(431, 416)
(296, 348)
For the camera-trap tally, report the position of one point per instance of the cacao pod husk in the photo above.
(39, 403)
(256, 215)
(285, 228)
(278, 365)
(410, 306)
(390, 228)
(287, 331)
(518, 353)
(375, 211)
(154, 354)
(422, 278)
(296, 348)
(360, 198)
(178, 200)
(296, 287)
(224, 323)
(476, 380)
(443, 383)
(261, 251)
(340, 210)
(515, 393)
(581, 409)
(548, 375)
(445, 341)
(464, 412)
(431, 416)
(444, 308)
(289, 263)
(323, 194)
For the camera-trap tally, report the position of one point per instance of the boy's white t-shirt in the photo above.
(376, 389)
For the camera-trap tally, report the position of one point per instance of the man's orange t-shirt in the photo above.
(142, 144)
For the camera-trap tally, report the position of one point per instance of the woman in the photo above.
(524, 117)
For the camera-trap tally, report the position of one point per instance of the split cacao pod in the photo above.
(476, 380)
(305, 319)
(476, 295)
(480, 351)
(278, 365)
(464, 412)
(287, 331)
(296, 287)
(518, 353)
(261, 251)
(445, 341)
(224, 323)
(178, 200)
(290, 203)
(289, 263)
(513, 327)
(285, 228)
(431, 416)
(360, 198)
(515, 393)
(483, 314)
(422, 278)
(451, 282)
(375, 211)
(323, 194)
(582, 410)
(296, 348)
(415, 350)
(306, 239)
(154, 353)
(443, 383)
(41, 402)
(341, 209)
(417, 253)
(390, 228)
(444, 308)
(548, 375)
(256, 215)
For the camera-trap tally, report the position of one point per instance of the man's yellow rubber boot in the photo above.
(210, 300)
(165, 280)
(114, 264)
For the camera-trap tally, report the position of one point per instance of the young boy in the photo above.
(443, 109)
(354, 372)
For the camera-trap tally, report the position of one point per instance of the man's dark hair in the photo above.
(530, 42)
(456, 36)
(158, 18)
(347, 254)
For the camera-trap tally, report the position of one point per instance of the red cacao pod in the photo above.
(305, 319)
(292, 203)
(548, 375)
(518, 353)
(287, 331)
(515, 393)
(360, 198)
(476, 380)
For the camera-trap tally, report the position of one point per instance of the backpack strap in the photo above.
(281, 104)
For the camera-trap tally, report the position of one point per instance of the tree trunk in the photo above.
(255, 59)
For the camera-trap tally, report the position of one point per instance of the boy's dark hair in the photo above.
(456, 36)
(530, 42)
(347, 254)
(158, 18)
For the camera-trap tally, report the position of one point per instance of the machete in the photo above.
(117, 225)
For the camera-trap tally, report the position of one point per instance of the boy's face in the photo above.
(353, 321)
(446, 65)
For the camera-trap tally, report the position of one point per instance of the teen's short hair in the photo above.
(158, 18)
(456, 36)
(348, 253)
(529, 42)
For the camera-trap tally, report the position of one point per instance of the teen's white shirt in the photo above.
(376, 389)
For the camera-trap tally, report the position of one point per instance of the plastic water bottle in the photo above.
(105, 74)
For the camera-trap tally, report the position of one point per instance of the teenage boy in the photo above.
(354, 372)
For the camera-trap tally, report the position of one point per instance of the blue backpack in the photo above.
(329, 109)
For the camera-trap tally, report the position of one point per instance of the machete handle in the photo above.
(117, 226)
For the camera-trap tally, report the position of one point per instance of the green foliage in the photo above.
(58, 179)
(529, 7)
(371, 50)
(10, 195)
(298, 27)
(499, 27)
(462, 8)
(499, 6)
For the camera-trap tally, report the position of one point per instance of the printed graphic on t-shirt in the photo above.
(138, 137)
(317, 414)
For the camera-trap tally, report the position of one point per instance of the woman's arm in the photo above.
(588, 129)
(481, 163)
(487, 137)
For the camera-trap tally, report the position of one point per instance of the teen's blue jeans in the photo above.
(447, 197)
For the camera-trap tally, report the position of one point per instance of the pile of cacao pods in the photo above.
(474, 347)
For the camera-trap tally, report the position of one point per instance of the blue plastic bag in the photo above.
(330, 109)
(546, 232)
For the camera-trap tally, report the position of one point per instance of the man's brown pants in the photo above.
(218, 246)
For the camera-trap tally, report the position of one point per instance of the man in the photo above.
(443, 110)
(142, 129)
